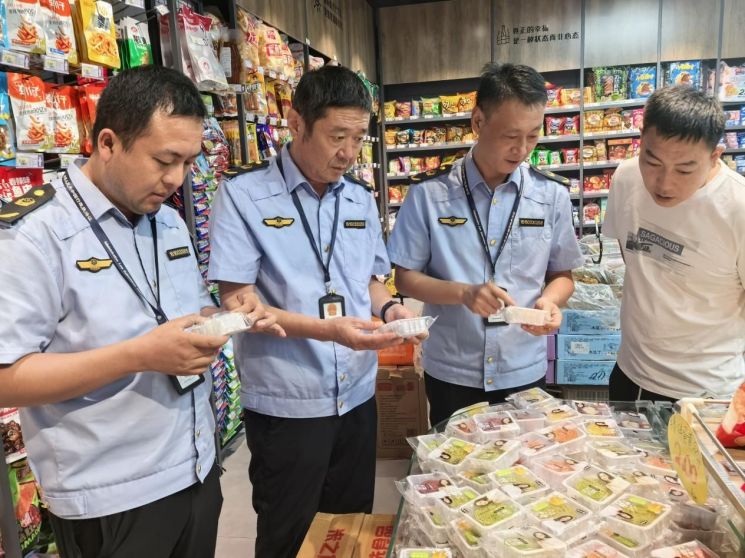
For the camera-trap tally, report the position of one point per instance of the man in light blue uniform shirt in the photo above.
(440, 253)
(126, 463)
(307, 238)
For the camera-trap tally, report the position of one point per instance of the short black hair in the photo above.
(501, 82)
(131, 98)
(329, 87)
(685, 113)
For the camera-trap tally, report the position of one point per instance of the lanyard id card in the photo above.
(331, 306)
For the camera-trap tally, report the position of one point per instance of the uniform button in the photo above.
(341, 404)
(199, 433)
(490, 360)
(342, 377)
(199, 469)
(489, 381)
(493, 242)
(326, 248)
(494, 201)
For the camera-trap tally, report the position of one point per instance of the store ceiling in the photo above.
(394, 3)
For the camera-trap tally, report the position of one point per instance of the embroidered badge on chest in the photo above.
(94, 265)
(176, 253)
(525, 222)
(352, 224)
(278, 222)
(452, 221)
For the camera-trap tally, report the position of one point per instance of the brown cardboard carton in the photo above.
(332, 536)
(375, 536)
(402, 410)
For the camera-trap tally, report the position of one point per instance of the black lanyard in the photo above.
(160, 315)
(325, 266)
(477, 220)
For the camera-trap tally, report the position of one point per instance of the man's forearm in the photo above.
(428, 289)
(43, 378)
(559, 287)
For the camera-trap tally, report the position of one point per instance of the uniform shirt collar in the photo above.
(475, 180)
(294, 176)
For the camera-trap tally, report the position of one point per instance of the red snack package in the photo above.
(554, 125)
(571, 125)
(16, 182)
(732, 430)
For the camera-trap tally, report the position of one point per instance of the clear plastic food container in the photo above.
(526, 316)
(529, 398)
(637, 518)
(555, 469)
(520, 484)
(561, 413)
(223, 323)
(450, 502)
(408, 327)
(529, 542)
(467, 536)
(635, 425)
(657, 464)
(561, 516)
(613, 453)
(593, 409)
(534, 444)
(425, 553)
(463, 428)
(494, 511)
(567, 434)
(528, 420)
(640, 482)
(595, 548)
(595, 487)
(693, 549)
(422, 490)
(630, 547)
(432, 521)
(450, 456)
(424, 445)
(476, 478)
(602, 429)
(672, 488)
(495, 426)
(497, 454)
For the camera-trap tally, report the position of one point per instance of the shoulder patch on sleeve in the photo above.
(551, 176)
(352, 178)
(232, 172)
(14, 211)
(434, 173)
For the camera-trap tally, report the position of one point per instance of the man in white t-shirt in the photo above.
(678, 213)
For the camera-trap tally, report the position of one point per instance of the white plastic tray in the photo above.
(223, 323)
(408, 327)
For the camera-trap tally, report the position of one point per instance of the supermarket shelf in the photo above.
(401, 176)
(610, 135)
(738, 101)
(366, 166)
(738, 150)
(615, 104)
(395, 204)
(733, 128)
(259, 119)
(373, 139)
(602, 165)
(590, 195)
(558, 139)
(586, 166)
(559, 168)
(430, 147)
(427, 119)
(567, 108)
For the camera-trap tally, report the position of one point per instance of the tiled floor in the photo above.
(237, 533)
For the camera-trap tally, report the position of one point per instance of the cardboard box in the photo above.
(591, 322)
(551, 347)
(353, 535)
(551, 372)
(402, 410)
(587, 347)
(584, 372)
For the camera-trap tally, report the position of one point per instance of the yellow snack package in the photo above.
(449, 103)
(99, 35)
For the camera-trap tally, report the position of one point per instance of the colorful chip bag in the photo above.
(466, 101)
(594, 121)
(389, 110)
(601, 153)
(619, 149)
(571, 125)
(449, 103)
(570, 155)
(15, 182)
(554, 125)
(59, 29)
(403, 109)
(684, 73)
(64, 108)
(24, 32)
(431, 106)
(95, 19)
(454, 134)
(7, 141)
(612, 120)
(570, 96)
(32, 124)
(643, 81)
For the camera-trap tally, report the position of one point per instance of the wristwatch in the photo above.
(385, 308)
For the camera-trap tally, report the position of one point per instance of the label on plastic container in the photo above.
(687, 458)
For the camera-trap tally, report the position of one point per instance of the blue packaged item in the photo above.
(591, 322)
(7, 140)
(741, 140)
(685, 73)
(742, 114)
(643, 81)
(587, 347)
(584, 372)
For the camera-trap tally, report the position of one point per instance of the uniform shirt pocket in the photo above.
(531, 237)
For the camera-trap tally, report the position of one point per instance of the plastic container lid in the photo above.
(463, 428)
(531, 398)
(657, 464)
(424, 445)
(535, 444)
(641, 482)
(432, 521)
(593, 409)
(527, 542)
(528, 420)
(637, 518)
(425, 553)
(223, 323)
(613, 453)
(567, 434)
(449, 457)
(555, 469)
(693, 549)
(633, 421)
(520, 484)
(494, 511)
(561, 516)
(475, 477)
(453, 499)
(423, 489)
(467, 536)
(526, 316)
(561, 413)
(629, 546)
(595, 487)
(602, 429)
(408, 327)
(497, 454)
(595, 548)
(495, 426)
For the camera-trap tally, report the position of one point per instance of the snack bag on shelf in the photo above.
(33, 127)
(208, 72)
(24, 495)
(454, 134)
(88, 96)
(248, 48)
(637, 118)
(389, 110)
(98, 38)
(7, 139)
(601, 153)
(136, 40)
(466, 101)
(684, 73)
(271, 98)
(284, 97)
(24, 31)
(612, 120)
(59, 29)
(431, 106)
(64, 108)
(554, 125)
(589, 154)
(643, 81)
(610, 83)
(571, 125)
(254, 98)
(570, 155)
(390, 137)
(731, 81)
(619, 149)
(14, 183)
(570, 96)
(594, 121)
(271, 55)
(403, 109)
(449, 103)
(554, 95)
